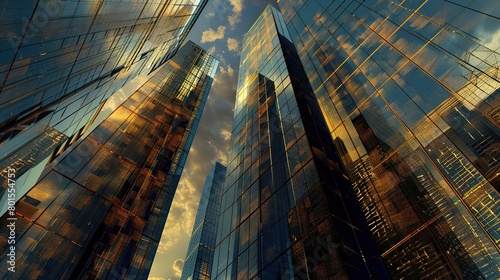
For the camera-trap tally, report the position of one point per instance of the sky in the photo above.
(219, 30)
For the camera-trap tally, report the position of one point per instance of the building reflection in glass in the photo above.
(410, 92)
(99, 210)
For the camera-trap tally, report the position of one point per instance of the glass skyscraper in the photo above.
(99, 210)
(61, 60)
(410, 93)
(200, 253)
(288, 210)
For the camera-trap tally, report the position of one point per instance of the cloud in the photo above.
(226, 134)
(232, 44)
(211, 35)
(237, 5)
(178, 266)
(219, 55)
(184, 206)
(234, 19)
(212, 50)
(210, 15)
(236, 15)
(227, 72)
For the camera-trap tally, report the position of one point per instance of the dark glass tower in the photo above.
(410, 93)
(99, 210)
(60, 61)
(288, 209)
(200, 253)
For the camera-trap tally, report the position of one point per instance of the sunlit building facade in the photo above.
(288, 210)
(200, 253)
(99, 210)
(60, 61)
(410, 93)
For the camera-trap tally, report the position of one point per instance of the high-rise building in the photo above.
(61, 60)
(288, 210)
(99, 210)
(410, 92)
(200, 253)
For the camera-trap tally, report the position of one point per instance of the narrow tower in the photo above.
(200, 253)
(288, 209)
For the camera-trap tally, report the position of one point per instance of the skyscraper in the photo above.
(99, 210)
(200, 253)
(61, 60)
(288, 209)
(410, 92)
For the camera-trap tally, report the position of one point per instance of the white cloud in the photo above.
(168, 240)
(232, 44)
(226, 71)
(220, 56)
(226, 133)
(183, 210)
(178, 266)
(211, 35)
(237, 5)
(210, 15)
(234, 19)
(212, 50)
(237, 8)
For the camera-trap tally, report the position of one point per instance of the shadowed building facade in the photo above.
(410, 93)
(288, 210)
(60, 61)
(200, 253)
(99, 210)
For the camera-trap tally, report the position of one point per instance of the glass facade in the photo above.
(99, 210)
(287, 210)
(61, 60)
(200, 253)
(410, 93)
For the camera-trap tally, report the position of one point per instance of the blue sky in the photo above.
(219, 30)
